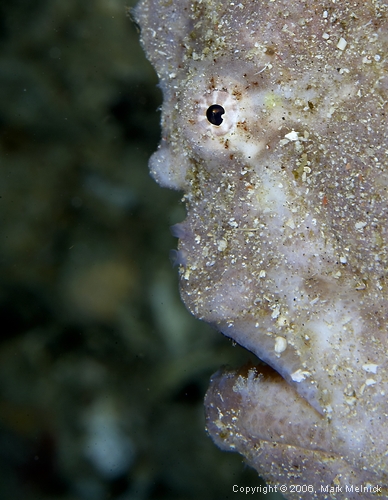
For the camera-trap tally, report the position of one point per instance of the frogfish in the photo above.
(274, 127)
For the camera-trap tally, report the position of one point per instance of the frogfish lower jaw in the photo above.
(255, 412)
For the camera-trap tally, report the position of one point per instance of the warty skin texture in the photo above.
(284, 248)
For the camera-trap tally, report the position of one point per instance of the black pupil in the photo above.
(214, 114)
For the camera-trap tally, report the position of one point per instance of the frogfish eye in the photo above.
(214, 114)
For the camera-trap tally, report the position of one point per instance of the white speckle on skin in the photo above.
(342, 43)
(300, 375)
(275, 312)
(222, 244)
(360, 225)
(280, 345)
(292, 136)
(370, 367)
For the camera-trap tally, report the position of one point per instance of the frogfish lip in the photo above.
(253, 410)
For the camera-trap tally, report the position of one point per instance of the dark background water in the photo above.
(103, 371)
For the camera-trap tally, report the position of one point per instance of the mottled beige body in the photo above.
(284, 247)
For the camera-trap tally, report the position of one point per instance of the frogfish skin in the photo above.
(274, 126)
